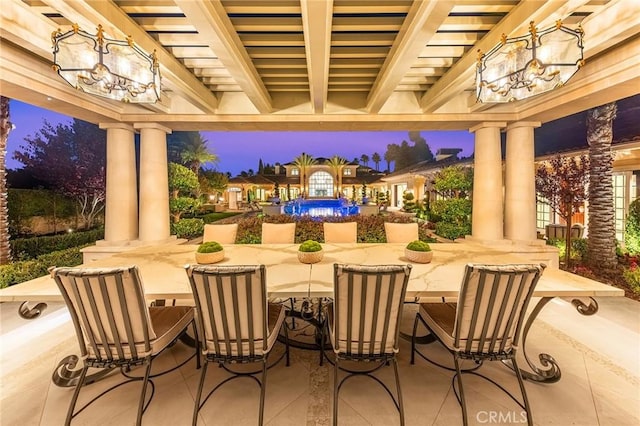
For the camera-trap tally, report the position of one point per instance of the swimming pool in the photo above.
(322, 207)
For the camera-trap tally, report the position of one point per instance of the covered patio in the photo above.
(290, 65)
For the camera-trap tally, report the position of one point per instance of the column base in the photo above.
(535, 251)
(104, 248)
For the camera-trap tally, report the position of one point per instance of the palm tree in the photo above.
(364, 158)
(195, 153)
(601, 242)
(5, 128)
(337, 163)
(303, 162)
(376, 160)
(391, 155)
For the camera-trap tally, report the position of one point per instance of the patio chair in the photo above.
(485, 323)
(116, 329)
(364, 322)
(346, 232)
(401, 232)
(236, 323)
(223, 234)
(255, 206)
(278, 233)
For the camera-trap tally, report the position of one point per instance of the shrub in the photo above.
(454, 181)
(578, 247)
(188, 228)
(370, 228)
(18, 272)
(632, 228)
(632, 277)
(456, 210)
(30, 248)
(210, 247)
(182, 179)
(452, 230)
(408, 202)
(181, 205)
(213, 217)
(310, 246)
(308, 228)
(418, 246)
(453, 217)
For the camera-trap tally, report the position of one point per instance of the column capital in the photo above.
(486, 124)
(516, 124)
(116, 125)
(156, 126)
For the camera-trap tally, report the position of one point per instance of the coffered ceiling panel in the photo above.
(331, 61)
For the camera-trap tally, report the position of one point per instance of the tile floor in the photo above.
(599, 357)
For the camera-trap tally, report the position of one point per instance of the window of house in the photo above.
(619, 204)
(543, 214)
(346, 172)
(320, 185)
(295, 172)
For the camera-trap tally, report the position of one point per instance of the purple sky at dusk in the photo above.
(242, 150)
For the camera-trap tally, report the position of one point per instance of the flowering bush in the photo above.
(583, 271)
(632, 277)
(632, 228)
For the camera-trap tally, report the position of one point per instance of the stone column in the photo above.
(487, 216)
(418, 187)
(154, 182)
(520, 186)
(121, 200)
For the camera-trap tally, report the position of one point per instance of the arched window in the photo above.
(320, 185)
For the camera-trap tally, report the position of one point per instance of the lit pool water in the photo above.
(326, 207)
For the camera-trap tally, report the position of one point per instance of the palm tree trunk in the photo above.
(602, 234)
(5, 128)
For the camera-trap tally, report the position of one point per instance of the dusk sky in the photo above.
(242, 150)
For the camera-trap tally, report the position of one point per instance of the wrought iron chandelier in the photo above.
(114, 69)
(528, 65)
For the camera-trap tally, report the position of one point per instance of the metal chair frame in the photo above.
(103, 350)
(496, 345)
(213, 275)
(371, 277)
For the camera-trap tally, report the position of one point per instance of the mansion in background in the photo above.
(566, 137)
(289, 182)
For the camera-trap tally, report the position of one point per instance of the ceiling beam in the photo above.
(216, 30)
(345, 122)
(599, 32)
(461, 74)
(317, 19)
(421, 24)
(116, 23)
(17, 21)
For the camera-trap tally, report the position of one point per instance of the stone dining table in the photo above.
(164, 277)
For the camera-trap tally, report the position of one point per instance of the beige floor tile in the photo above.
(616, 394)
(594, 389)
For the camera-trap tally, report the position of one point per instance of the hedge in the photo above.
(370, 228)
(30, 248)
(26, 203)
(188, 228)
(17, 272)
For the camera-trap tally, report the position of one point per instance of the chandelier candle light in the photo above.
(528, 65)
(114, 69)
